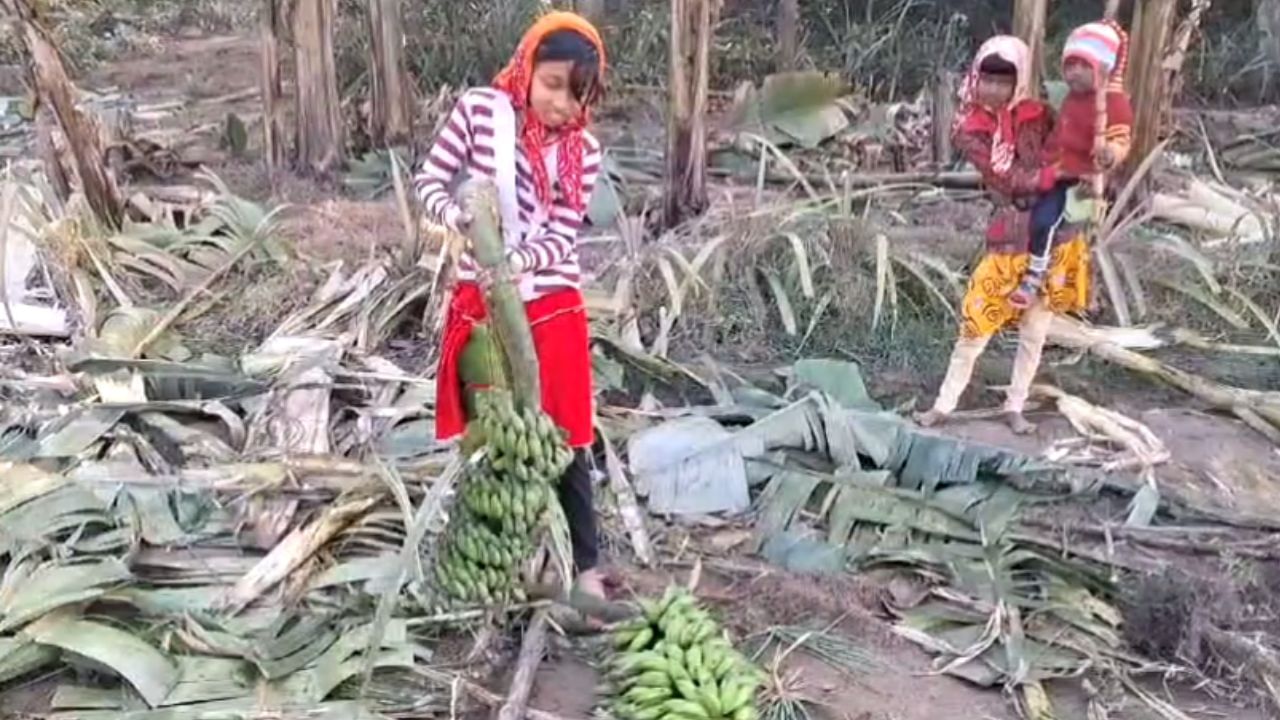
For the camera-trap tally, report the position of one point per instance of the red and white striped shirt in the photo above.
(547, 252)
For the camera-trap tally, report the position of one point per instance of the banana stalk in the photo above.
(479, 198)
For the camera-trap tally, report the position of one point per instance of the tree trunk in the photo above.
(1152, 26)
(272, 28)
(1176, 51)
(54, 89)
(692, 23)
(943, 110)
(788, 34)
(319, 112)
(48, 153)
(1267, 13)
(592, 10)
(392, 119)
(1028, 24)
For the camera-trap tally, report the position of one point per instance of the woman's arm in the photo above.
(449, 154)
(554, 242)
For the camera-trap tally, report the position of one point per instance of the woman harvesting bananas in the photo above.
(528, 134)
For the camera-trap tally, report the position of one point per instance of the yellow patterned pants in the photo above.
(986, 311)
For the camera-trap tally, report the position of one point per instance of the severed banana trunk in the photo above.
(506, 309)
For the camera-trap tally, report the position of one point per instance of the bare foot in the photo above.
(930, 418)
(1018, 424)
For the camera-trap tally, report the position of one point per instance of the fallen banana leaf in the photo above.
(840, 379)
(76, 432)
(298, 647)
(31, 591)
(206, 679)
(292, 552)
(20, 657)
(52, 516)
(24, 483)
(79, 697)
(148, 670)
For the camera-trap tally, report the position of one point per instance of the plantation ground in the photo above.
(1216, 460)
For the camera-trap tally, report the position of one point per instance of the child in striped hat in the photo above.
(1094, 59)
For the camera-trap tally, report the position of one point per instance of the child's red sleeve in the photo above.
(1022, 178)
(1119, 132)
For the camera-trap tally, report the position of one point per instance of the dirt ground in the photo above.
(902, 684)
(1214, 458)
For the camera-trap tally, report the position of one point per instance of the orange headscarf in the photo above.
(515, 79)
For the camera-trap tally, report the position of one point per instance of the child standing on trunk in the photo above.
(1093, 61)
(527, 133)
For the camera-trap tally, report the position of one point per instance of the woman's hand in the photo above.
(516, 263)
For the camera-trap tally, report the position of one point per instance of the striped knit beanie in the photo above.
(1104, 45)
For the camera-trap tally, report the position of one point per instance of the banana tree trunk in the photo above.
(692, 23)
(319, 112)
(593, 10)
(788, 33)
(272, 30)
(479, 198)
(55, 89)
(392, 118)
(1152, 27)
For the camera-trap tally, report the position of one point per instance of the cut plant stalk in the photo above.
(479, 199)
(1257, 404)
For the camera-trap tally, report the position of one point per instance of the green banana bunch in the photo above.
(501, 502)
(674, 662)
(523, 443)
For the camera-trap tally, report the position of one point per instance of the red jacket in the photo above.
(1014, 190)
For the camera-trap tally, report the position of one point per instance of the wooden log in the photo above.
(54, 88)
(391, 121)
(271, 29)
(1264, 405)
(319, 144)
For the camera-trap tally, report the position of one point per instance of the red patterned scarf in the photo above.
(515, 79)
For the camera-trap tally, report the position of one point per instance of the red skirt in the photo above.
(560, 337)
